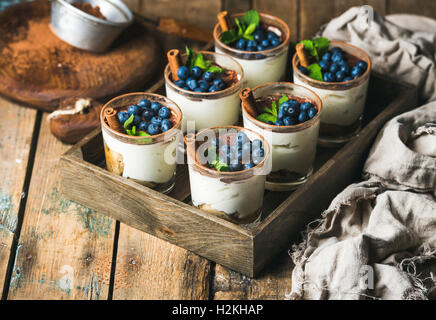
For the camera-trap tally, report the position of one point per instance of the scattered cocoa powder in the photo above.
(89, 9)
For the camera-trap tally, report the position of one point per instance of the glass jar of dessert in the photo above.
(141, 132)
(206, 86)
(259, 42)
(227, 170)
(340, 76)
(288, 116)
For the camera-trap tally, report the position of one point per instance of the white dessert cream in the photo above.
(343, 102)
(150, 160)
(203, 109)
(234, 196)
(260, 66)
(293, 148)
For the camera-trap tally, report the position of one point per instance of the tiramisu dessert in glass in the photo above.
(227, 170)
(141, 133)
(259, 42)
(339, 73)
(288, 116)
(206, 87)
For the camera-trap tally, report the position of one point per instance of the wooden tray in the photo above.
(172, 218)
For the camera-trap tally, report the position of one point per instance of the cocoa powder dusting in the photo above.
(89, 9)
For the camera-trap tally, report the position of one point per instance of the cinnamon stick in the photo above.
(302, 56)
(224, 21)
(113, 121)
(175, 62)
(248, 101)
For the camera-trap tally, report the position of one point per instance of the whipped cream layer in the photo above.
(340, 107)
(206, 112)
(292, 151)
(256, 72)
(155, 163)
(239, 198)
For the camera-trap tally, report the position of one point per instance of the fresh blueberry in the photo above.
(336, 57)
(340, 76)
(275, 42)
(183, 72)
(133, 109)
(348, 79)
(345, 68)
(155, 106)
(147, 114)
(123, 116)
(153, 129)
(362, 65)
(249, 166)
(186, 88)
(305, 106)
(260, 48)
(198, 89)
(337, 50)
(265, 43)
(288, 121)
(303, 117)
(143, 125)
(270, 122)
(285, 106)
(258, 153)
(258, 36)
(219, 83)
(256, 144)
(196, 73)
(251, 44)
(225, 149)
(241, 138)
(235, 167)
(356, 72)
(156, 120)
(208, 76)
(325, 65)
(166, 125)
(329, 77)
(312, 112)
(191, 83)
(304, 70)
(334, 68)
(241, 44)
(144, 103)
(271, 36)
(294, 103)
(293, 111)
(164, 113)
(213, 89)
(327, 57)
(251, 48)
(136, 120)
(281, 114)
(279, 123)
(180, 83)
(341, 62)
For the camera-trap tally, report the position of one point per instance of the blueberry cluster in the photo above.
(150, 117)
(262, 40)
(198, 81)
(239, 156)
(292, 112)
(335, 68)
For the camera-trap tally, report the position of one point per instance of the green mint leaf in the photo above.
(143, 134)
(274, 108)
(229, 36)
(267, 110)
(322, 45)
(240, 29)
(129, 132)
(283, 99)
(248, 37)
(134, 131)
(190, 59)
(250, 29)
(265, 117)
(251, 17)
(129, 122)
(310, 48)
(315, 71)
(201, 62)
(221, 166)
(215, 69)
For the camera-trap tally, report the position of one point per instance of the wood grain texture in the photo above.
(286, 10)
(65, 249)
(315, 13)
(150, 268)
(421, 7)
(16, 125)
(236, 6)
(39, 69)
(200, 12)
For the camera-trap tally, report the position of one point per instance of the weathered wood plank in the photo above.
(199, 12)
(421, 7)
(236, 6)
(65, 249)
(286, 10)
(315, 13)
(150, 268)
(16, 125)
(133, 4)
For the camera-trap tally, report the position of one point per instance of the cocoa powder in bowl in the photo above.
(89, 9)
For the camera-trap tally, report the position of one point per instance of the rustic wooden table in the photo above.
(53, 248)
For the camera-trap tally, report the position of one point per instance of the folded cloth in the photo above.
(406, 53)
(378, 237)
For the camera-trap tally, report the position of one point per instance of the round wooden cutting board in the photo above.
(39, 69)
